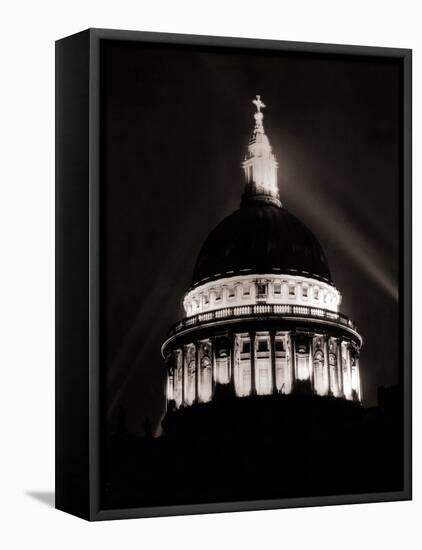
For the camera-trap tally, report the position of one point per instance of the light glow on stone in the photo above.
(266, 361)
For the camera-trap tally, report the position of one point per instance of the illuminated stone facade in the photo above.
(262, 314)
(246, 290)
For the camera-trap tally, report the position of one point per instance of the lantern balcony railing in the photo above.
(262, 310)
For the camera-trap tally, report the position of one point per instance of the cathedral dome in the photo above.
(262, 313)
(260, 237)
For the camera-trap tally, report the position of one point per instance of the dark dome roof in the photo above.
(260, 238)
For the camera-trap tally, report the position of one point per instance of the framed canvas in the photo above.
(233, 282)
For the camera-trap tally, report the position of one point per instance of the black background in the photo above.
(175, 127)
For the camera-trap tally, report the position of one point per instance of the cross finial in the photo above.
(258, 103)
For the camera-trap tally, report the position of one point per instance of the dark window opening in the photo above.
(263, 345)
(261, 289)
(246, 347)
(279, 345)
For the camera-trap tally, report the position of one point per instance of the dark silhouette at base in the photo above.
(259, 447)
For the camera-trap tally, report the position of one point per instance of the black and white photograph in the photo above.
(251, 275)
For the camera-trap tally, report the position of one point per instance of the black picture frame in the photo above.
(78, 315)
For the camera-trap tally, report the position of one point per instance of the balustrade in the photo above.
(259, 310)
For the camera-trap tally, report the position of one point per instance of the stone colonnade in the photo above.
(263, 363)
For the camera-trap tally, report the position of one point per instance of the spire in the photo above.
(260, 164)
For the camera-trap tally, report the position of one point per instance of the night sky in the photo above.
(175, 128)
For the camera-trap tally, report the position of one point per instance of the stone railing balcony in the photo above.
(262, 310)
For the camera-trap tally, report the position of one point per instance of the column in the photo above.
(172, 372)
(232, 360)
(311, 365)
(212, 364)
(183, 374)
(273, 368)
(355, 379)
(253, 385)
(358, 378)
(339, 367)
(347, 374)
(170, 385)
(349, 369)
(292, 360)
(327, 365)
(178, 373)
(197, 370)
